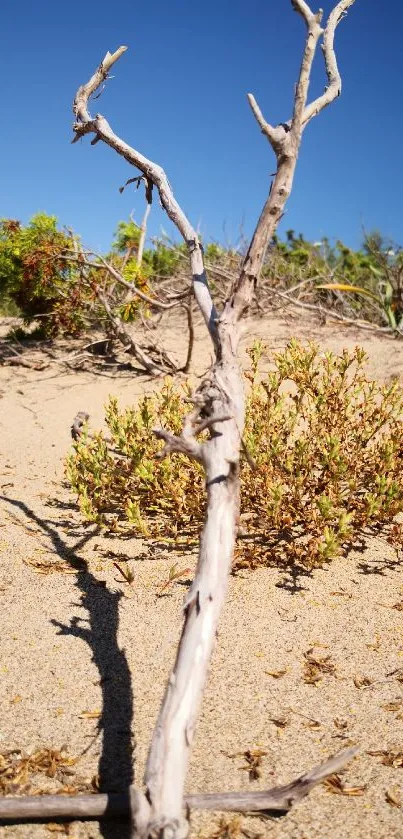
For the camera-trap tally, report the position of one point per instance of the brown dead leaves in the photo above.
(398, 674)
(54, 566)
(315, 667)
(232, 828)
(280, 722)
(393, 798)
(19, 773)
(253, 761)
(276, 674)
(362, 681)
(335, 785)
(23, 774)
(89, 715)
(393, 706)
(389, 757)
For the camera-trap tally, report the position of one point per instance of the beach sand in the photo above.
(75, 641)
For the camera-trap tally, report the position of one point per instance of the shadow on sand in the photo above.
(98, 627)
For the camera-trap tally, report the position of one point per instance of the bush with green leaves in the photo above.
(45, 276)
(37, 279)
(325, 459)
(41, 278)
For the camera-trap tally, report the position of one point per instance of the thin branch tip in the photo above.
(112, 57)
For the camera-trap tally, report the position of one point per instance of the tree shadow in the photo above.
(380, 565)
(292, 577)
(100, 631)
(270, 551)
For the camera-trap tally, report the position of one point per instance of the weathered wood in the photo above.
(113, 805)
(219, 403)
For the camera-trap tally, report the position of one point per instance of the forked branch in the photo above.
(154, 173)
(285, 140)
(303, 113)
(333, 89)
(219, 406)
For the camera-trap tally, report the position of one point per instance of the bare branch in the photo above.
(152, 301)
(333, 88)
(103, 264)
(314, 33)
(285, 140)
(331, 314)
(143, 229)
(112, 805)
(275, 135)
(191, 335)
(126, 339)
(154, 173)
(210, 422)
(186, 443)
(303, 113)
(179, 444)
(303, 9)
(85, 91)
(219, 399)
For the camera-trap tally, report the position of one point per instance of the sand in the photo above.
(87, 642)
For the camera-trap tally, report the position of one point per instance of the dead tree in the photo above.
(219, 407)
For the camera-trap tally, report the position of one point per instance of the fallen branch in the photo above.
(220, 407)
(330, 313)
(15, 361)
(125, 338)
(112, 805)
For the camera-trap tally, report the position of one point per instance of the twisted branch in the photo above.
(155, 174)
(186, 442)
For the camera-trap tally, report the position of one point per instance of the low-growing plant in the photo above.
(324, 447)
(123, 475)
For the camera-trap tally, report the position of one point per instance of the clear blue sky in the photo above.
(179, 96)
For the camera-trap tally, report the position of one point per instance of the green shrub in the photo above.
(36, 279)
(123, 476)
(44, 276)
(327, 443)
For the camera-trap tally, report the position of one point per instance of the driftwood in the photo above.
(113, 805)
(218, 406)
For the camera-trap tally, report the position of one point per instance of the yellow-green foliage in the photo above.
(123, 477)
(327, 443)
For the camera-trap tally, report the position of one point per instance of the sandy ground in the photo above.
(85, 641)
